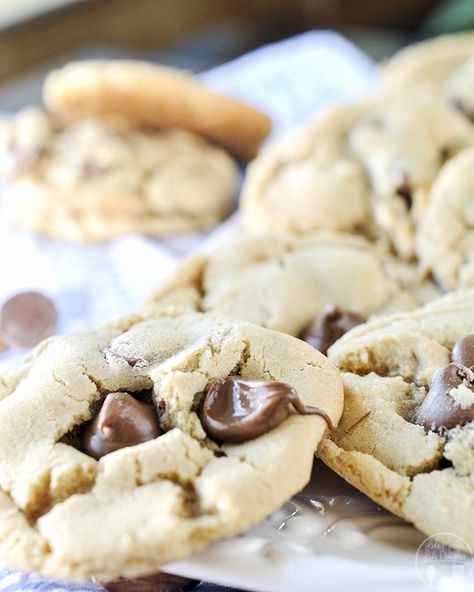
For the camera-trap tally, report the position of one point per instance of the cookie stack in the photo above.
(134, 445)
(126, 146)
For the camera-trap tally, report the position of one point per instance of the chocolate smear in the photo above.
(236, 409)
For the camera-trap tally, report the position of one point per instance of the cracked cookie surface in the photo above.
(93, 181)
(299, 181)
(366, 167)
(423, 474)
(402, 140)
(65, 514)
(283, 283)
(445, 239)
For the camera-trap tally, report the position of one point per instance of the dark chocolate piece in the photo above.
(463, 351)
(403, 188)
(439, 409)
(236, 409)
(329, 326)
(27, 318)
(122, 421)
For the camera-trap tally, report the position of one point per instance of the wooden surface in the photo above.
(153, 24)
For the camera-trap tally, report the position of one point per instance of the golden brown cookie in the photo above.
(93, 181)
(148, 95)
(285, 283)
(367, 168)
(407, 432)
(121, 450)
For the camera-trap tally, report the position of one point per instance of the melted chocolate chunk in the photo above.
(463, 351)
(458, 104)
(329, 326)
(402, 186)
(122, 421)
(440, 409)
(236, 409)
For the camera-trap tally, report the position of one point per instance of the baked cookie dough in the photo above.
(146, 399)
(407, 432)
(403, 139)
(445, 239)
(309, 179)
(365, 168)
(93, 181)
(148, 95)
(447, 61)
(284, 283)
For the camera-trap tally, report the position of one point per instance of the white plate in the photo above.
(327, 537)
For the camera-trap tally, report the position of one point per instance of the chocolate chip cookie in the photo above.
(364, 168)
(129, 447)
(445, 240)
(403, 139)
(93, 181)
(407, 432)
(290, 283)
(447, 61)
(149, 95)
(309, 179)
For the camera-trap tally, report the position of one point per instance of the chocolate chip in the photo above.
(441, 409)
(122, 421)
(329, 326)
(160, 582)
(236, 409)
(445, 154)
(463, 351)
(468, 113)
(132, 361)
(91, 169)
(402, 186)
(27, 318)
